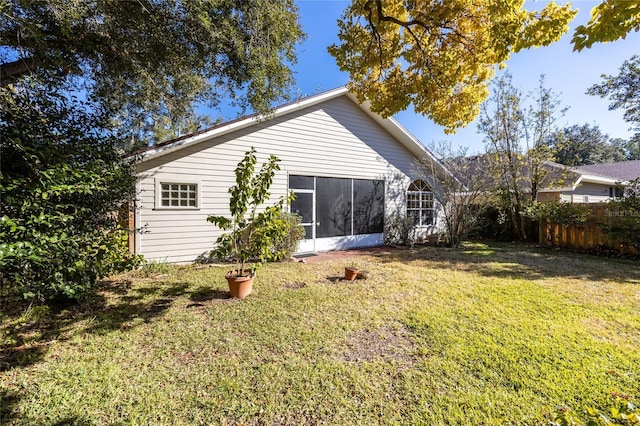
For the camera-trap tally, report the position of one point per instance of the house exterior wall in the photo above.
(548, 196)
(332, 139)
(594, 193)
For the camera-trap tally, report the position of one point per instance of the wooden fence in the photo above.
(586, 236)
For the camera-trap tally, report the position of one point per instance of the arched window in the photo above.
(420, 203)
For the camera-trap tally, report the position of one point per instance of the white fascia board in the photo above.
(241, 124)
(218, 131)
(389, 124)
(596, 179)
(558, 189)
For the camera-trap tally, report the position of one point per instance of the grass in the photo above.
(490, 334)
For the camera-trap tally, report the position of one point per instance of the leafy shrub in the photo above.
(62, 183)
(559, 213)
(398, 230)
(294, 232)
(624, 214)
(496, 225)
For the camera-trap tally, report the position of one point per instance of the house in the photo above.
(348, 167)
(592, 183)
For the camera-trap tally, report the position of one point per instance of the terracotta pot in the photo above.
(239, 287)
(350, 274)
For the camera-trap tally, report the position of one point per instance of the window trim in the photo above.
(158, 194)
(421, 209)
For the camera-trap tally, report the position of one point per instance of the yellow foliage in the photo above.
(610, 21)
(438, 55)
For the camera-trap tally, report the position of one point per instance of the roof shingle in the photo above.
(622, 170)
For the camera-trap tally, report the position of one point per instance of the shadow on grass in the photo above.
(26, 333)
(8, 401)
(114, 306)
(517, 260)
(205, 294)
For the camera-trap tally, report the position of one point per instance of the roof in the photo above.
(389, 124)
(621, 171)
(556, 177)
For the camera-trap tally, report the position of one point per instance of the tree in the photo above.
(165, 129)
(515, 138)
(461, 189)
(581, 145)
(136, 63)
(632, 147)
(440, 56)
(62, 183)
(610, 21)
(624, 91)
(155, 57)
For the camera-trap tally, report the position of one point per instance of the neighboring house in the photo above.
(348, 167)
(593, 183)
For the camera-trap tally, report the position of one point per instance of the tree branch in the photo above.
(405, 24)
(12, 71)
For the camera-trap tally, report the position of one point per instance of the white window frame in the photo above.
(421, 194)
(158, 198)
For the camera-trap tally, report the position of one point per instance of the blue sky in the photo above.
(567, 73)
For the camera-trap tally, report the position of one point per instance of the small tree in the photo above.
(461, 190)
(254, 235)
(515, 138)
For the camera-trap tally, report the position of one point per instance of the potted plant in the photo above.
(351, 271)
(252, 237)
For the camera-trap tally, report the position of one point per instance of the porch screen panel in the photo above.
(368, 206)
(333, 207)
(303, 206)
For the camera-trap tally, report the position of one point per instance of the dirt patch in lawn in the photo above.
(295, 285)
(388, 344)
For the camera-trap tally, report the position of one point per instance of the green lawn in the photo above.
(490, 334)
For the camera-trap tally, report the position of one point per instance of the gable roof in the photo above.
(559, 177)
(392, 126)
(621, 171)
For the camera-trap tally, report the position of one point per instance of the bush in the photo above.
(624, 214)
(397, 230)
(294, 232)
(62, 183)
(497, 226)
(559, 213)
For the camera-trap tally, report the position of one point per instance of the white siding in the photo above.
(593, 192)
(334, 139)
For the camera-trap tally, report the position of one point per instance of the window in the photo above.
(615, 192)
(420, 203)
(619, 193)
(177, 195)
